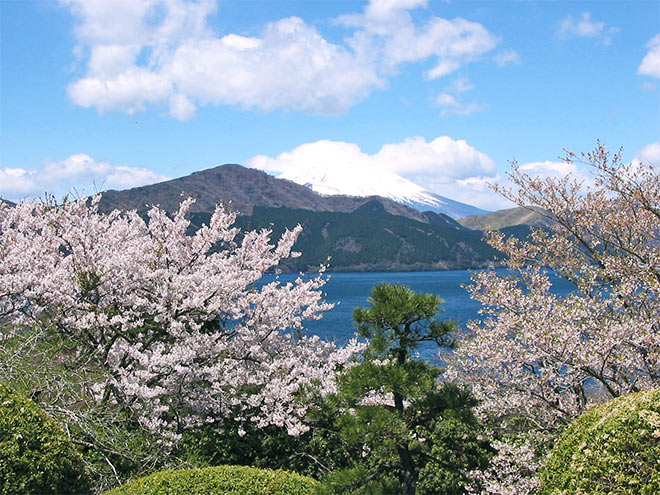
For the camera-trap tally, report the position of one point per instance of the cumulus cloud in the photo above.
(387, 28)
(445, 166)
(585, 27)
(478, 191)
(650, 154)
(443, 157)
(650, 65)
(413, 157)
(78, 172)
(549, 169)
(163, 52)
(558, 170)
(448, 167)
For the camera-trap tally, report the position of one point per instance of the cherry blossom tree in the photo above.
(540, 357)
(176, 328)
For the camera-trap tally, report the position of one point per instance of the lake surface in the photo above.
(351, 290)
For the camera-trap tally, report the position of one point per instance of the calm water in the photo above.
(351, 290)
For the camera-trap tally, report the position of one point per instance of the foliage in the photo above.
(315, 453)
(36, 456)
(152, 329)
(113, 444)
(538, 359)
(612, 448)
(220, 480)
(414, 435)
(374, 241)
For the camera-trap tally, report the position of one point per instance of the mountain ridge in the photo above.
(531, 216)
(369, 239)
(242, 188)
(356, 233)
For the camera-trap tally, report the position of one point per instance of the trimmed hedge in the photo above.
(614, 447)
(219, 480)
(35, 454)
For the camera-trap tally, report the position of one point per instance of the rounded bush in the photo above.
(219, 480)
(35, 454)
(614, 447)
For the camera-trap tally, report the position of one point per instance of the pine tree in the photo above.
(396, 411)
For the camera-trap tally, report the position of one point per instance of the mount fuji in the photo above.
(358, 181)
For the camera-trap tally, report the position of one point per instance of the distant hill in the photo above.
(243, 188)
(370, 239)
(512, 217)
(357, 233)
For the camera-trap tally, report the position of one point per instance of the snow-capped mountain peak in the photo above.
(361, 181)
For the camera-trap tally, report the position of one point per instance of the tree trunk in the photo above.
(408, 476)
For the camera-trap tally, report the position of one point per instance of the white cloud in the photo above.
(122, 177)
(650, 65)
(15, 183)
(290, 66)
(585, 27)
(650, 154)
(549, 169)
(443, 158)
(128, 91)
(384, 9)
(445, 166)
(78, 172)
(559, 170)
(507, 57)
(477, 191)
(181, 108)
(438, 165)
(451, 105)
(388, 29)
(155, 52)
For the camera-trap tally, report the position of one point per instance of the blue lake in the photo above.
(351, 290)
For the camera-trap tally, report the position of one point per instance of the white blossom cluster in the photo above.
(511, 472)
(545, 357)
(541, 357)
(177, 324)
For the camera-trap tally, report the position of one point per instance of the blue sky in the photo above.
(113, 94)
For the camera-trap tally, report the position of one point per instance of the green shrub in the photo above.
(35, 454)
(613, 448)
(312, 454)
(220, 480)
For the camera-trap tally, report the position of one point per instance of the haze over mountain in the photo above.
(358, 181)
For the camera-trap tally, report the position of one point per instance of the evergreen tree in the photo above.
(415, 434)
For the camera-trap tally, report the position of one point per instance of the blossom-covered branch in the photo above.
(177, 325)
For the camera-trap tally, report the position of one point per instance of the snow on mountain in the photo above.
(358, 181)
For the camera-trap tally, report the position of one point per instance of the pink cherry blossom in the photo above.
(178, 324)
